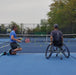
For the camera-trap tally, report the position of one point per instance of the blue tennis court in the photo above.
(36, 64)
(37, 45)
(31, 60)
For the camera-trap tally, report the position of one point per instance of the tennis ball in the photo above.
(73, 36)
(35, 41)
(20, 38)
(45, 42)
(68, 41)
(40, 45)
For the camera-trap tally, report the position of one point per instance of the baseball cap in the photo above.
(55, 25)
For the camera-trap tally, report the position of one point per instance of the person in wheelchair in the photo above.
(57, 46)
(56, 36)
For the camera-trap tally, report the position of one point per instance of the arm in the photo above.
(51, 39)
(12, 37)
(62, 38)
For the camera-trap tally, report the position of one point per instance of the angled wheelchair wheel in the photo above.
(66, 51)
(48, 52)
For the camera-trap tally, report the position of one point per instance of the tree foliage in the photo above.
(3, 28)
(63, 13)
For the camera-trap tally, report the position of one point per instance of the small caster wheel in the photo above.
(61, 58)
(56, 55)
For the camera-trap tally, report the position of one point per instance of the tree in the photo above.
(18, 28)
(3, 29)
(42, 28)
(22, 28)
(63, 12)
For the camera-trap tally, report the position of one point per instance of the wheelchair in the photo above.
(62, 50)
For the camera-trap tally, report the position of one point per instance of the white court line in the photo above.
(4, 46)
(30, 53)
(4, 42)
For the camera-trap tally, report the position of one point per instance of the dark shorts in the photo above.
(57, 43)
(14, 45)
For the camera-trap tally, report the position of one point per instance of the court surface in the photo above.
(36, 64)
(31, 60)
(37, 47)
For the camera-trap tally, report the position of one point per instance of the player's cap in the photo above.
(55, 25)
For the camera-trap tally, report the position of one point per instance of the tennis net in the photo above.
(37, 44)
(37, 38)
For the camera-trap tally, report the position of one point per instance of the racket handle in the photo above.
(20, 39)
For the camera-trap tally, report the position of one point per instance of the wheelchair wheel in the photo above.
(48, 52)
(66, 51)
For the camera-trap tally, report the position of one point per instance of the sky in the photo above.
(23, 11)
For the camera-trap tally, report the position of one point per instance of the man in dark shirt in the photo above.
(56, 36)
